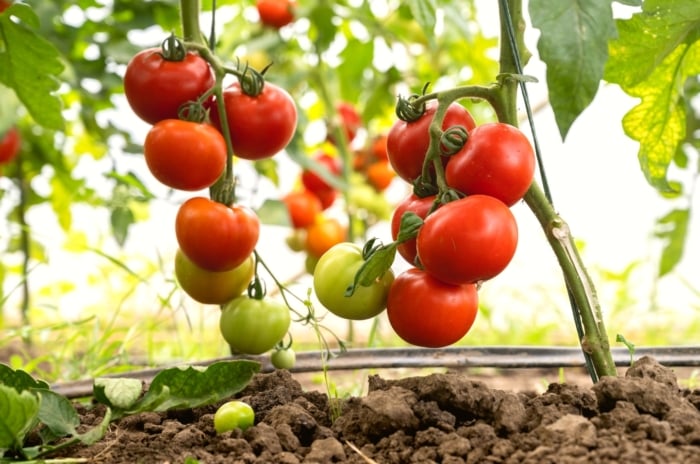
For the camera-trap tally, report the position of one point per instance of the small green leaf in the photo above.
(268, 168)
(410, 225)
(323, 28)
(374, 267)
(31, 65)
(58, 414)
(672, 229)
(118, 393)
(574, 44)
(121, 219)
(357, 58)
(274, 212)
(18, 415)
(425, 14)
(19, 380)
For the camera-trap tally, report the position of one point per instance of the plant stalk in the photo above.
(579, 284)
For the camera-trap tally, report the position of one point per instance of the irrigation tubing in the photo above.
(505, 357)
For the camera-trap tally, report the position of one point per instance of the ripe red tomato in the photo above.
(379, 147)
(425, 311)
(209, 287)
(327, 197)
(185, 155)
(10, 144)
(497, 160)
(4, 5)
(467, 240)
(156, 88)
(322, 235)
(275, 13)
(380, 174)
(260, 126)
(407, 142)
(413, 204)
(350, 121)
(214, 236)
(315, 183)
(303, 207)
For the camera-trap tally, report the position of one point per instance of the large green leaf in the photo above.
(30, 65)
(18, 413)
(574, 44)
(656, 52)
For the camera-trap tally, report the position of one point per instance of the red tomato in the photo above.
(414, 204)
(4, 5)
(497, 160)
(10, 144)
(379, 147)
(315, 183)
(156, 88)
(425, 311)
(214, 236)
(322, 235)
(260, 126)
(303, 207)
(327, 197)
(185, 155)
(380, 174)
(275, 13)
(407, 142)
(467, 240)
(350, 121)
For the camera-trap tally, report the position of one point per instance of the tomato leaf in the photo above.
(117, 393)
(574, 44)
(58, 414)
(121, 218)
(274, 212)
(673, 230)
(19, 380)
(18, 415)
(30, 65)
(424, 12)
(176, 388)
(410, 225)
(656, 52)
(375, 266)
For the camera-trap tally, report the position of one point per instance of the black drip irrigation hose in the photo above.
(505, 357)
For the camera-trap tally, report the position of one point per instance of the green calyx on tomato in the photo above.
(467, 240)
(233, 415)
(425, 311)
(214, 236)
(335, 273)
(254, 326)
(185, 155)
(209, 287)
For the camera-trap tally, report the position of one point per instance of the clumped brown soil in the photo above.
(643, 417)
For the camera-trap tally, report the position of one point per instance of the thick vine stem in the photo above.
(582, 291)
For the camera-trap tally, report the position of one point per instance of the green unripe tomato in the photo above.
(283, 359)
(233, 415)
(335, 272)
(252, 326)
(212, 287)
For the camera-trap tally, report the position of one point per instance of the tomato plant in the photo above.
(10, 143)
(496, 160)
(260, 126)
(425, 311)
(283, 358)
(303, 207)
(185, 155)
(420, 207)
(209, 287)
(407, 142)
(467, 240)
(254, 326)
(233, 415)
(314, 182)
(275, 13)
(156, 87)
(214, 236)
(335, 272)
(350, 121)
(323, 234)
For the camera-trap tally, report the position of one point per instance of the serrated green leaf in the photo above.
(18, 415)
(57, 413)
(376, 265)
(19, 380)
(118, 393)
(574, 44)
(672, 229)
(30, 65)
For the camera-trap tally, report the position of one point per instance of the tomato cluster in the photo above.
(172, 89)
(467, 234)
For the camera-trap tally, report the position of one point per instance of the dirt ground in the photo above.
(642, 416)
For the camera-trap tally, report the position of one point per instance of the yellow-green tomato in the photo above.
(252, 326)
(211, 287)
(335, 272)
(283, 358)
(233, 415)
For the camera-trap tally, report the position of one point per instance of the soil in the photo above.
(641, 417)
